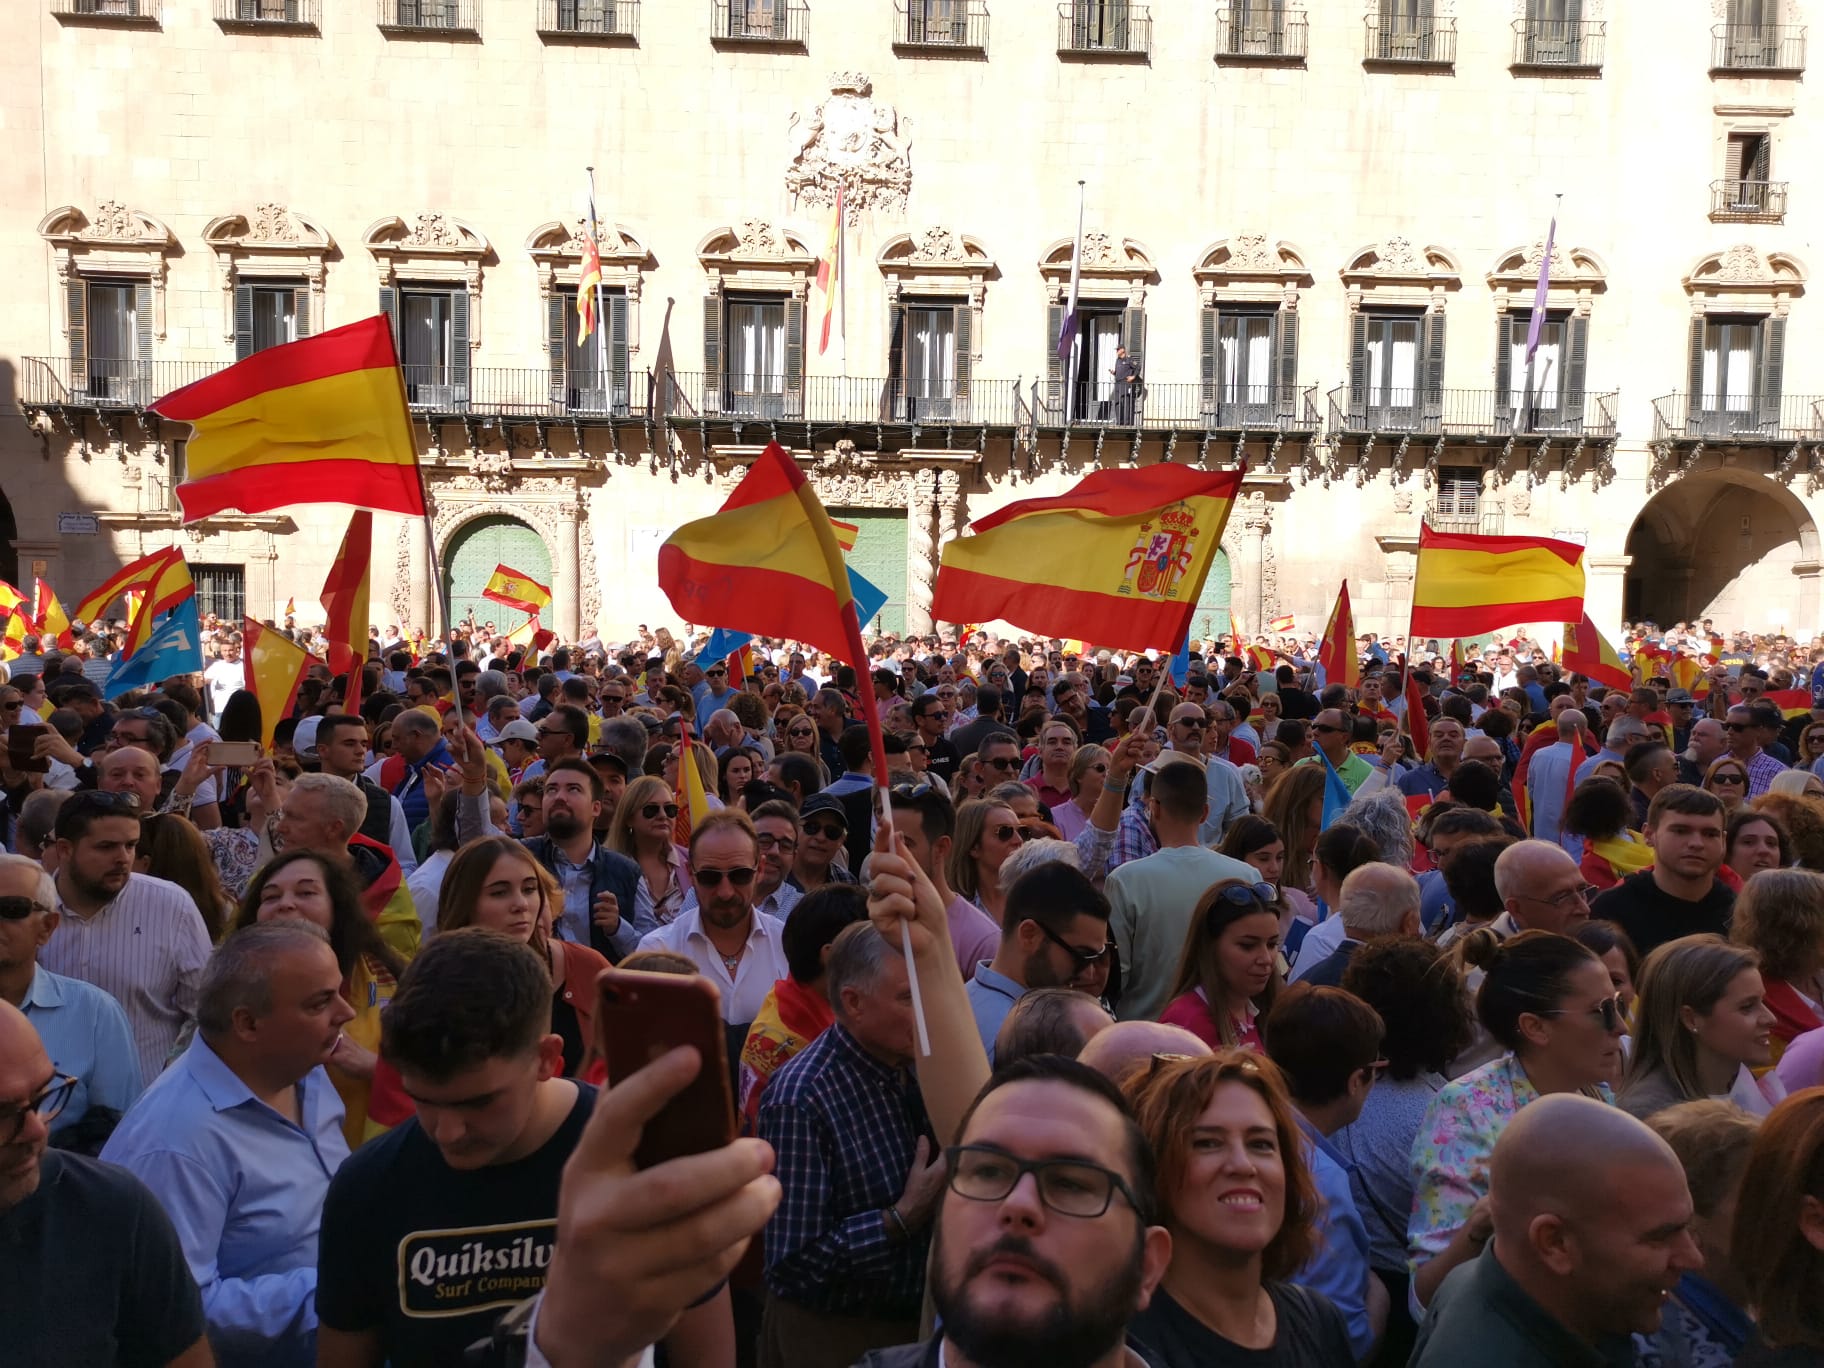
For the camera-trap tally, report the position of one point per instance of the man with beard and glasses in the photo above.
(1047, 1240)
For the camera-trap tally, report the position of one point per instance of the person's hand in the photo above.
(606, 913)
(900, 893)
(660, 1238)
(924, 1185)
(471, 754)
(1392, 751)
(436, 780)
(52, 746)
(356, 1061)
(196, 769)
(1481, 1223)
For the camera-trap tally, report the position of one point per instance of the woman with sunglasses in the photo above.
(644, 830)
(1228, 974)
(1547, 1001)
(987, 832)
(1727, 778)
(1237, 1195)
(1779, 915)
(798, 735)
(1811, 745)
(1088, 776)
(1701, 1026)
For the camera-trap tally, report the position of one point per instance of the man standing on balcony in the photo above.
(1127, 387)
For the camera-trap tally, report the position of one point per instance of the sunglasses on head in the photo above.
(737, 878)
(1248, 895)
(652, 810)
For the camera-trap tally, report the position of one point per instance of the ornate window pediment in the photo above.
(273, 242)
(1578, 276)
(434, 248)
(938, 259)
(1396, 271)
(117, 241)
(557, 250)
(1743, 276)
(1112, 268)
(758, 254)
(1250, 267)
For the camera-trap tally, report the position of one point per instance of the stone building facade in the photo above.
(1318, 226)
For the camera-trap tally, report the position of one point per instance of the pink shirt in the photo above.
(1192, 1011)
(973, 934)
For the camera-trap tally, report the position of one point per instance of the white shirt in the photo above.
(425, 884)
(222, 678)
(762, 960)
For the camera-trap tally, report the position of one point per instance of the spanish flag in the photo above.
(321, 420)
(1791, 702)
(1285, 622)
(530, 635)
(829, 275)
(692, 798)
(1120, 559)
(169, 585)
(1465, 584)
(12, 638)
(585, 288)
(12, 600)
(1336, 653)
(272, 667)
(53, 623)
(345, 600)
(133, 579)
(1588, 652)
(1687, 674)
(516, 589)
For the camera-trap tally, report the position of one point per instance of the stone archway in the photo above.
(1729, 545)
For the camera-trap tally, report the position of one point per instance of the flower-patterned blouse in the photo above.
(1450, 1156)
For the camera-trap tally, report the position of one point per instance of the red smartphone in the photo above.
(644, 1015)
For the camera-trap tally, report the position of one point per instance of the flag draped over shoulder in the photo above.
(516, 589)
(1120, 559)
(1588, 652)
(1465, 584)
(320, 420)
(345, 604)
(1336, 654)
(273, 666)
(174, 648)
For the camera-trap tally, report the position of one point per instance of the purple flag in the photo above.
(1545, 281)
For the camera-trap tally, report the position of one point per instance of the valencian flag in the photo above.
(1336, 654)
(1466, 584)
(586, 287)
(516, 589)
(321, 420)
(345, 600)
(51, 621)
(1120, 559)
(272, 667)
(1588, 652)
(829, 276)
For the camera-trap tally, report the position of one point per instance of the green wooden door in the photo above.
(474, 552)
(1211, 618)
(880, 557)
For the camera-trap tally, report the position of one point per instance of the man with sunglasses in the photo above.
(1055, 926)
(712, 694)
(931, 716)
(1744, 734)
(823, 833)
(1187, 727)
(95, 1273)
(739, 950)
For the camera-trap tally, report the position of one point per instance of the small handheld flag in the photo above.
(516, 589)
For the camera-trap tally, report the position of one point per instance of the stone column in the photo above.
(1805, 621)
(424, 594)
(567, 589)
(921, 573)
(950, 501)
(1256, 524)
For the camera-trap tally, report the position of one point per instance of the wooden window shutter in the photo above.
(1054, 363)
(1773, 363)
(1133, 335)
(243, 321)
(1735, 157)
(77, 302)
(1211, 329)
(712, 353)
(1506, 326)
(1694, 388)
(557, 358)
(1358, 370)
(300, 311)
(965, 346)
(458, 359)
(142, 339)
(1285, 361)
(617, 352)
(389, 305)
(794, 357)
(1576, 365)
(1761, 166)
(893, 402)
(1434, 365)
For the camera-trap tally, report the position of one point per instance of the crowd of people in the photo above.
(1131, 1018)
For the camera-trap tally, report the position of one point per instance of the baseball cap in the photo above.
(611, 760)
(823, 802)
(518, 730)
(1680, 696)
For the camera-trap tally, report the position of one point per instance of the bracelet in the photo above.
(905, 1231)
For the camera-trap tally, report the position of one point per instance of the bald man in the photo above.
(1117, 1050)
(1376, 900)
(96, 1276)
(1548, 771)
(1591, 1233)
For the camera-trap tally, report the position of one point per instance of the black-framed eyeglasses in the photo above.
(1609, 1009)
(18, 907)
(1084, 956)
(711, 878)
(49, 1102)
(785, 845)
(1070, 1187)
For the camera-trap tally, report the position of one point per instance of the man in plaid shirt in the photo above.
(845, 1252)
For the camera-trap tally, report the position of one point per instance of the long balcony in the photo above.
(1255, 32)
(937, 26)
(1181, 407)
(1763, 48)
(1559, 44)
(759, 23)
(1745, 420)
(602, 21)
(429, 18)
(1104, 28)
(249, 16)
(1428, 42)
(103, 385)
(1473, 415)
(134, 13)
(1747, 201)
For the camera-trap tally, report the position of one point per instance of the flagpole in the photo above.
(601, 312)
(1076, 326)
(1537, 319)
(842, 290)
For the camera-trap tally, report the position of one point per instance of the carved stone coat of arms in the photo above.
(853, 140)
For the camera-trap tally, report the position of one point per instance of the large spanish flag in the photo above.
(52, 622)
(1588, 652)
(345, 603)
(272, 667)
(1336, 653)
(1466, 584)
(322, 420)
(1119, 560)
(516, 589)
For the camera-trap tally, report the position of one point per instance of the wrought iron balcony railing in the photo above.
(137, 12)
(607, 20)
(1757, 47)
(1250, 30)
(1464, 516)
(267, 14)
(1747, 201)
(449, 18)
(1773, 420)
(1557, 44)
(1184, 407)
(100, 383)
(941, 25)
(1411, 41)
(1105, 28)
(1472, 414)
(779, 22)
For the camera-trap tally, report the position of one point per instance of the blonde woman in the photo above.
(645, 831)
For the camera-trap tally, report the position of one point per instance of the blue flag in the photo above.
(725, 641)
(174, 648)
(1181, 663)
(1336, 792)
